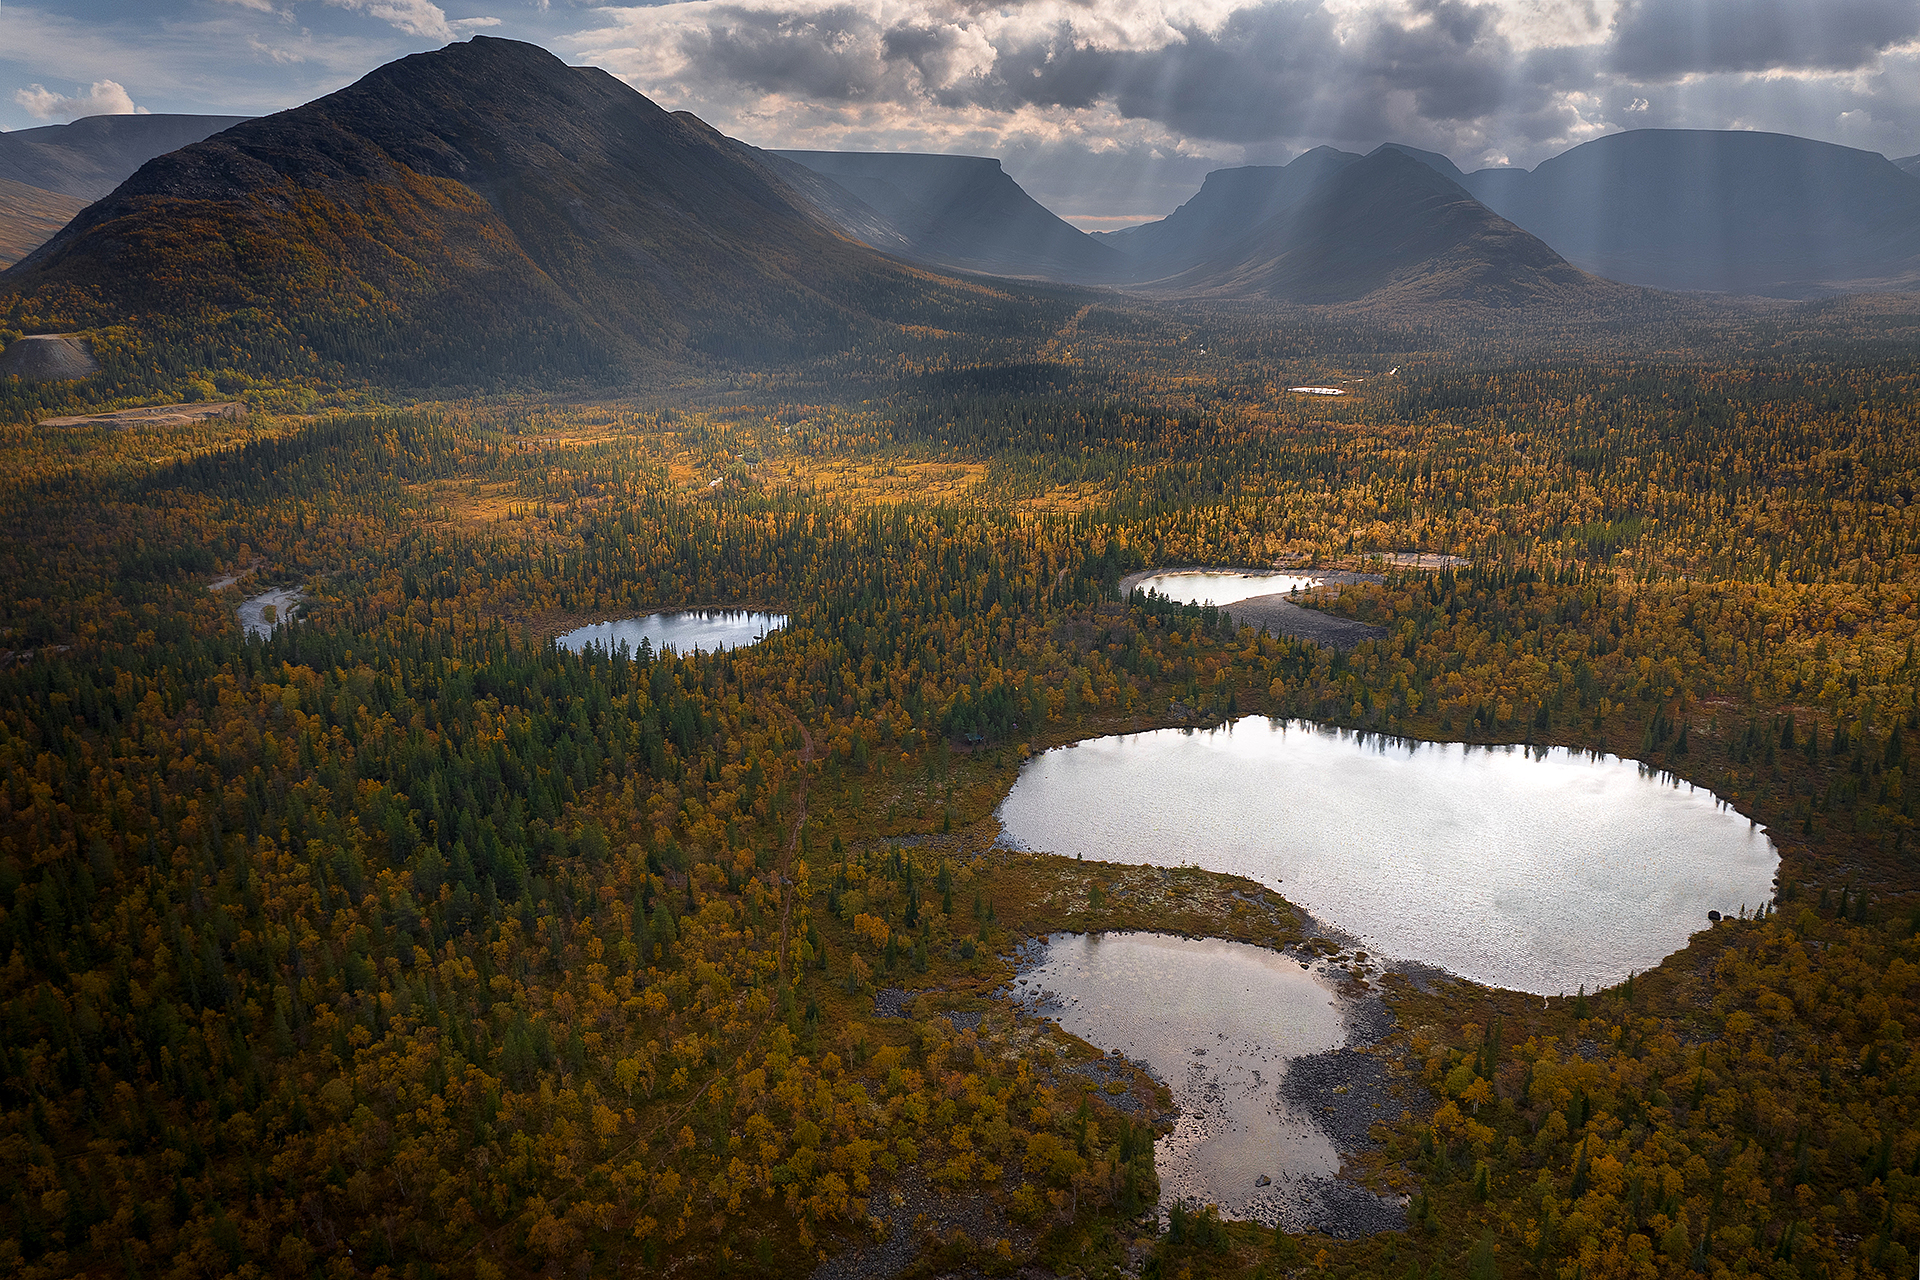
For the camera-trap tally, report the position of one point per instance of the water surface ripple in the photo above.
(1539, 871)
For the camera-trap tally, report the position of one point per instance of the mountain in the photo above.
(1229, 205)
(963, 212)
(90, 157)
(480, 212)
(1389, 229)
(834, 205)
(1733, 211)
(1432, 159)
(29, 216)
(1909, 164)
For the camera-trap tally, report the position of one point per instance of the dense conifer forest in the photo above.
(404, 942)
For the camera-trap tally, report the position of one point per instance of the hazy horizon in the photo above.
(1108, 114)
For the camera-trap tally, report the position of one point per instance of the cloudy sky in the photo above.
(1106, 110)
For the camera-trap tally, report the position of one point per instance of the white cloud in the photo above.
(472, 24)
(258, 6)
(415, 17)
(102, 98)
(274, 53)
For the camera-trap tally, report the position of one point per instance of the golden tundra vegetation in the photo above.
(405, 943)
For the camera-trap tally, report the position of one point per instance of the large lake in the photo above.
(1539, 871)
(1196, 587)
(684, 631)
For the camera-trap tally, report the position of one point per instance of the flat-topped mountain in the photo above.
(1230, 204)
(1731, 211)
(964, 212)
(480, 211)
(1389, 229)
(90, 157)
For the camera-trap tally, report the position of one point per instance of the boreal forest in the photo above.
(398, 940)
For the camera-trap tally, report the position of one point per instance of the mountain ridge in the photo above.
(1229, 205)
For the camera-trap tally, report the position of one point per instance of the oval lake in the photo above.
(1538, 871)
(682, 630)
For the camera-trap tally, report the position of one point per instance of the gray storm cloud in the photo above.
(1192, 82)
(1658, 40)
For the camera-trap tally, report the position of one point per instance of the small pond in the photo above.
(1224, 1023)
(260, 614)
(1197, 587)
(684, 631)
(1539, 871)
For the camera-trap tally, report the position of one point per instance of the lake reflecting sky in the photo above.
(1534, 872)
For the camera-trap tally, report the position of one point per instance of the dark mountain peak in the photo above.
(1432, 159)
(1391, 229)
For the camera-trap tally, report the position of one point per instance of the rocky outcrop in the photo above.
(48, 357)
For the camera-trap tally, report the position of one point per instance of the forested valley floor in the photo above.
(404, 942)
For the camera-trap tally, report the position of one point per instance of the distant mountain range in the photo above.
(486, 212)
(480, 212)
(1729, 211)
(1725, 211)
